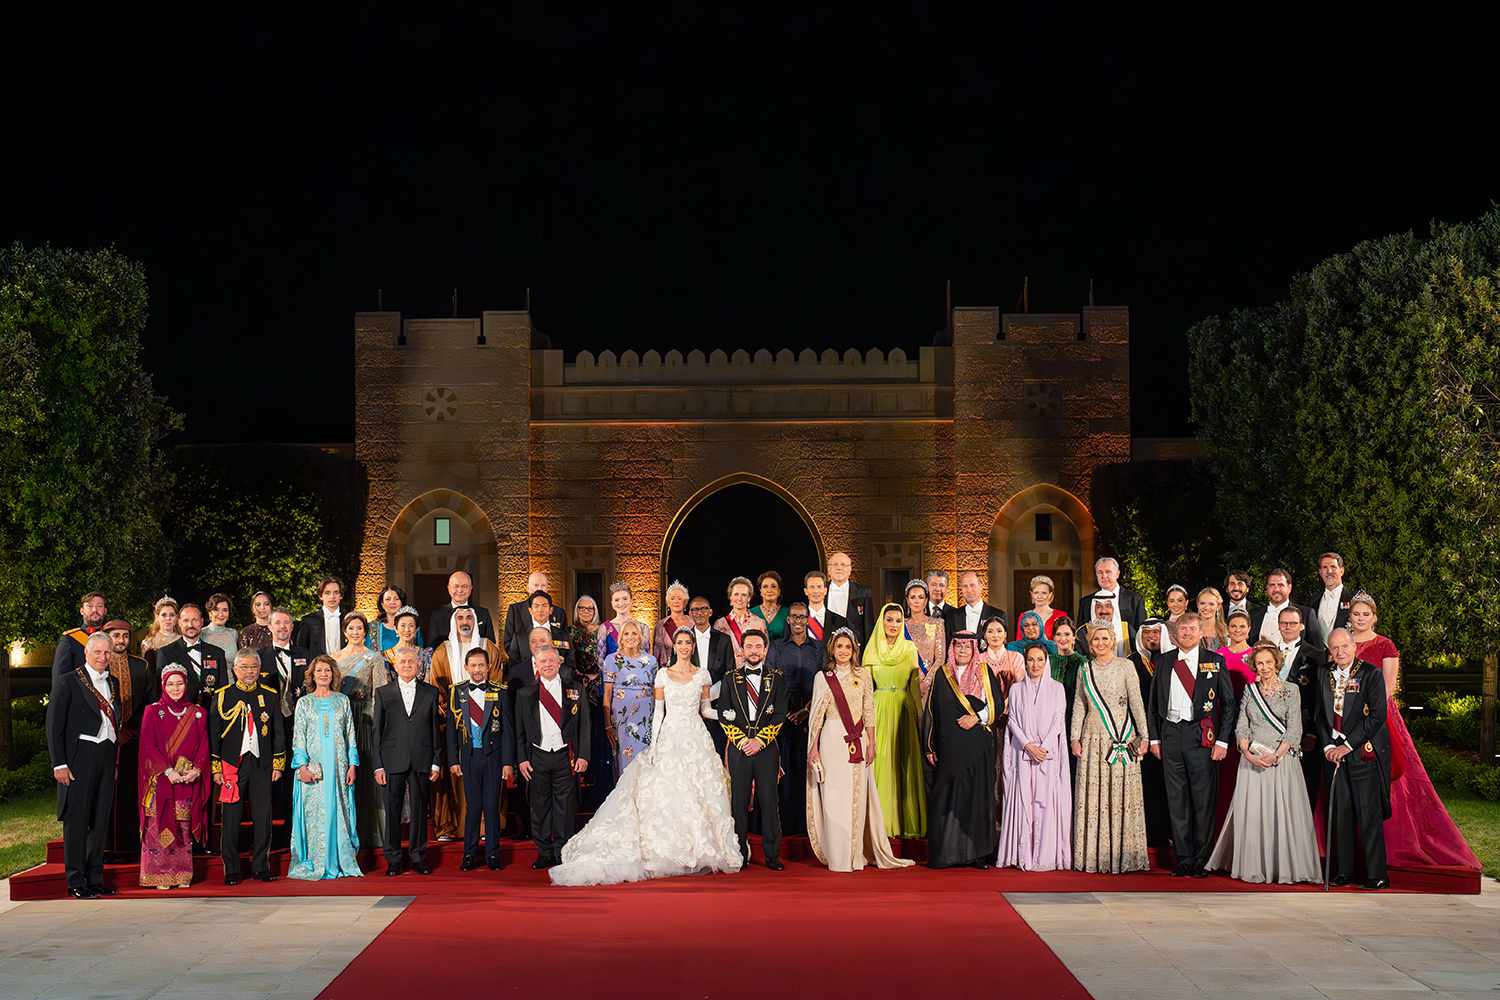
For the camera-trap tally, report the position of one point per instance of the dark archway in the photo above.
(742, 529)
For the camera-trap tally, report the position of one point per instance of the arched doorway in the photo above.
(437, 533)
(741, 525)
(1041, 531)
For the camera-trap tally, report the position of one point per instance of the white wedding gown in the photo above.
(669, 811)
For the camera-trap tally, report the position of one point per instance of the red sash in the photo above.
(1189, 682)
(815, 628)
(106, 707)
(739, 636)
(230, 790)
(550, 704)
(851, 732)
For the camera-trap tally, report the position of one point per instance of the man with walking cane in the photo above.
(1357, 750)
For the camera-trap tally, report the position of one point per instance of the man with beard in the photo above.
(1264, 623)
(752, 709)
(68, 656)
(1237, 594)
(1154, 641)
(448, 671)
(137, 690)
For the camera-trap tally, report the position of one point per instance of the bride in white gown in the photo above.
(669, 811)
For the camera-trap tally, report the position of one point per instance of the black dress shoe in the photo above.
(101, 890)
(81, 893)
(775, 864)
(1341, 880)
(266, 877)
(493, 864)
(232, 880)
(421, 868)
(392, 870)
(468, 864)
(1378, 883)
(1199, 873)
(539, 864)
(1182, 870)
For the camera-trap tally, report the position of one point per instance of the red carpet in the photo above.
(47, 881)
(909, 933)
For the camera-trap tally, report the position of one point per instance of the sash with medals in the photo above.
(1265, 709)
(106, 706)
(1119, 737)
(851, 729)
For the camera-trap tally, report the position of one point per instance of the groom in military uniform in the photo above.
(482, 751)
(247, 746)
(752, 709)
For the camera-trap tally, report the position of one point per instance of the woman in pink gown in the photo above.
(1237, 659)
(1420, 832)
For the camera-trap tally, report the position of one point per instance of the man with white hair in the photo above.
(460, 595)
(518, 615)
(1127, 604)
(552, 750)
(448, 671)
(82, 739)
(1356, 749)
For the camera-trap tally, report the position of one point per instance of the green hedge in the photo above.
(28, 779)
(1450, 770)
(1451, 718)
(29, 745)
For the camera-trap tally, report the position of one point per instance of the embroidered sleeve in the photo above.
(734, 734)
(767, 734)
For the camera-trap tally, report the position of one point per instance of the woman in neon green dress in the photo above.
(892, 660)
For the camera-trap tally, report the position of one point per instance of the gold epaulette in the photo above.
(78, 635)
(266, 687)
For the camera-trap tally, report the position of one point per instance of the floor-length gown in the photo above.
(669, 811)
(961, 802)
(172, 814)
(362, 674)
(325, 841)
(632, 682)
(898, 749)
(845, 826)
(1241, 673)
(1268, 834)
(1109, 818)
(1036, 833)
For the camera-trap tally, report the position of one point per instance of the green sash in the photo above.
(1119, 738)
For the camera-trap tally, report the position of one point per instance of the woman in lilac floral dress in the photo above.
(629, 693)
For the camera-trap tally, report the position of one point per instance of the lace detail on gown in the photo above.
(669, 811)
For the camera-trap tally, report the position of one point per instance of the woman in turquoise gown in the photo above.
(325, 841)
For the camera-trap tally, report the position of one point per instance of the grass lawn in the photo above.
(1479, 819)
(26, 824)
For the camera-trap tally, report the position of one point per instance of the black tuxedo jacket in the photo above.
(1312, 633)
(720, 653)
(309, 632)
(73, 711)
(862, 611)
(406, 743)
(1364, 721)
(270, 673)
(439, 620)
(499, 721)
(956, 619)
(519, 670)
(1340, 616)
(200, 687)
(1252, 608)
(832, 621)
(226, 727)
(938, 610)
(733, 705)
(1132, 609)
(575, 720)
(518, 626)
(519, 646)
(1213, 695)
(1304, 673)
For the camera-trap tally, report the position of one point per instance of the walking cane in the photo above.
(1333, 783)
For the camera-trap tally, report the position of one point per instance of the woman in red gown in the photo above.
(1420, 832)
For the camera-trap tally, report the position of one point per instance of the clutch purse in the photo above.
(183, 766)
(818, 771)
(316, 769)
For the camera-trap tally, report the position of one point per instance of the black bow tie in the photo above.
(753, 670)
(193, 645)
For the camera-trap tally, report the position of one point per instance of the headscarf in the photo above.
(458, 650)
(969, 683)
(173, 703)
(1019, 645)
(881, 652)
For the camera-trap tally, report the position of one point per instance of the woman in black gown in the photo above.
(964, 704)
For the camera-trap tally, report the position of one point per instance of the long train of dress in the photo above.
(669, 811)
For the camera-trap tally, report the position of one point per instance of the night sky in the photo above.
(703, 179)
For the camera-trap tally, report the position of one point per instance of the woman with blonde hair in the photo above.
(1109, 736)
(1043, 591)
(1211, 614)
(676, 618)
(162, 631)
(629, 694)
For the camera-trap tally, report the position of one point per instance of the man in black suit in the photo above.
(137, 689)
(1191, 716)
(518, 619)
(1153, 635)
(1264, 622)
(937, 595)
(283, 669)
(203, 661)
(460, 589)
(68, 656)
(1237, 594)
(540, 616)
(1129, 608)
(1332, 609)
(1357, 759)
(1300, 664)
(481, 752)
(406, 757)
(715, 651)
(752, 709)
(247, 748)
(850, 599)
(971, 615)
(552, 745)
(821, 621)
(82, 714)
(322, 631)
